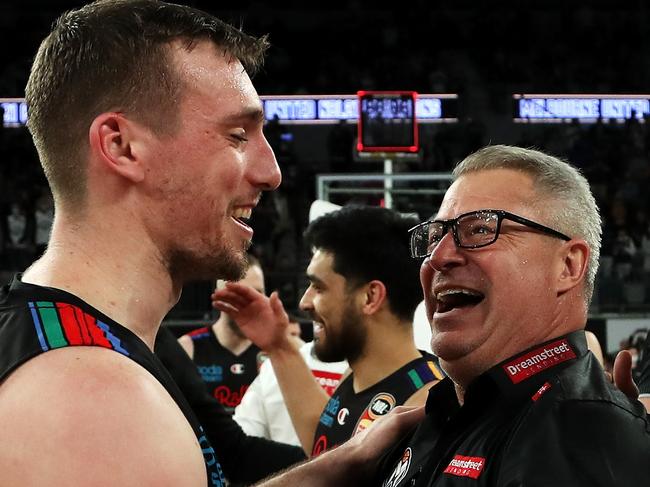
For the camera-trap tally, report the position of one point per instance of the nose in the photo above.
(306, 303)
(445, 255)
(265, 172)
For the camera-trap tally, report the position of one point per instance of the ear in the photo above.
(113, 139)
(374, 296)
(575, 255)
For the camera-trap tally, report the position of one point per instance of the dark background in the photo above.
(483, 51)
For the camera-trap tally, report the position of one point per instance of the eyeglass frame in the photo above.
(501, 215)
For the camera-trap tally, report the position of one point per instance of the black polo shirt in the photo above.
(547, 417)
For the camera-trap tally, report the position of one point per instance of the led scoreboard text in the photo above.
(333, 108)
(586, 108)
(300, 109)
(15, 111)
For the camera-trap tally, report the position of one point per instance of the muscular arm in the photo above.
(264, 321)
(304, 398)
(243, 458)
(83, 416)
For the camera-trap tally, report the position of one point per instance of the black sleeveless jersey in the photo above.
(226, 375)
(347, 413)
(35, 320)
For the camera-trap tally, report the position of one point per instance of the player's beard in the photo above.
(347, 342)
(226, 263)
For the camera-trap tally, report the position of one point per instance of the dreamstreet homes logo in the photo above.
(463, 466)
(540, 359)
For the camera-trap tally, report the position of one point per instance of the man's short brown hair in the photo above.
(114, 55)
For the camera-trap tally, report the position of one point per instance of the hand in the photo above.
(262, 319)
(622, 375)
(365, 449)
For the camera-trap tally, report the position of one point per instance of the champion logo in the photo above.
(538, 360)
(343, 415)
(237, 369)
(462, 466)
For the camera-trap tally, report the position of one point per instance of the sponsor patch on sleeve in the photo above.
(538, 360)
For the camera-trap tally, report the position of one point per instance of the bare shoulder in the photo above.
(419, 397)
(187, 344)
(90, 416)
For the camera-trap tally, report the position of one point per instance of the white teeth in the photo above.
(244, 213)
(447, 292)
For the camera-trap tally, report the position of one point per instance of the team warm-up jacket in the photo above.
(546, 417)
(348, 412)
(36, 319)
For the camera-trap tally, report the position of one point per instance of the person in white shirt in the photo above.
(263, 412)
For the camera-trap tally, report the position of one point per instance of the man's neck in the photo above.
(121, 277)
(229, 338)
(389, 346)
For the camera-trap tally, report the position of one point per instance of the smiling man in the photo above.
(149, 131)
(509, 266)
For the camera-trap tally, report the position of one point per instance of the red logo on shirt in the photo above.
(462, 466)
(329, 381)
(540, 359)
(541, 391)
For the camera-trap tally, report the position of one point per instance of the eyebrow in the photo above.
(315, 280)
(252, 114)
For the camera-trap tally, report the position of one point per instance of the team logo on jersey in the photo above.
(380, 405)
(462, 466)
(343, 415)
(401, 469)
(237, 369)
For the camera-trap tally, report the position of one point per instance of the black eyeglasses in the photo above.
(470, 231)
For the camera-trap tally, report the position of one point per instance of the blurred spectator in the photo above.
(43, 218)
(19, 246)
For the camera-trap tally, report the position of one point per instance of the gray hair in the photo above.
(574, 211)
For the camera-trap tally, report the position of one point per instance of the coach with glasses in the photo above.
(508, 273)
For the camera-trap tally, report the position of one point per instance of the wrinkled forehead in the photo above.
(497, 189)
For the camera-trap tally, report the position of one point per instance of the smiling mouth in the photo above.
(456, 298)
(243, 216)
